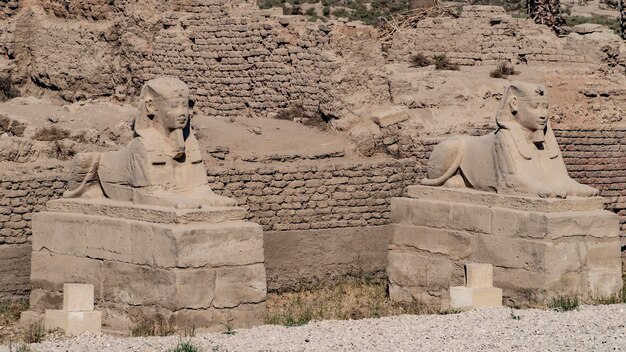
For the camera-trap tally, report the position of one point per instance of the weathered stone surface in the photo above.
(304, 259)
(228, 243)
(78, 297)
(138, 285)
(239, 285)
(73, 322)
(547, 205)
(49, 271)
(536, 255)
(153, 214)
(195, 288)
(64, 234)
(478, 275)
(453, 244)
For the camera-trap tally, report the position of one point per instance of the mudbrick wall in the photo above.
(245, 65)
(485, 35)
(317, 195)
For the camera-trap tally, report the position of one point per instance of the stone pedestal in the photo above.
(478, 290)
(539, 248)
(200, 268)
(77, 315)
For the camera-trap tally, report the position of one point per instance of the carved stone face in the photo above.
(172, 113)
(532, 114)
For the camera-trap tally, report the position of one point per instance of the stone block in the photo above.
(472, 218)
(409, 268)
(194, 288)
(478, 275)
(73, 322)
(470, 196)
(50, 271)
(509, 252)
(465, 298)
(138, 285)
(59, 233)
(108, 238)
(228, 243)
(239, 285)
(78, 297)
(598, 223)
(453, 244)
(430, 213)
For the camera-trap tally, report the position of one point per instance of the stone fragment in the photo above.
(478, 275)
(73, 322)
(391, 119)
(78, 297)
(465, 298)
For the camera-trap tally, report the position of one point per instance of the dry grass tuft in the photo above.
(7, 89)
(443, 63)
(420, 60)
(351, 299)
(503, 70)
(51, 133)
(154, 326)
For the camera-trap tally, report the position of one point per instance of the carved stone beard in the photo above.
(539, 136)
(178, 143)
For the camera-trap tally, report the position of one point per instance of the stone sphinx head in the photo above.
(165, 107)
(525, 105)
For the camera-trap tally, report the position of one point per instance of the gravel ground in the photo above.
(591, 328)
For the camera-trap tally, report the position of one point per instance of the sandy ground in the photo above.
(590, 328)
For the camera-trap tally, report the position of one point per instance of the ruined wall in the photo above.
(485, 35)
(242, 64)
(21, 195)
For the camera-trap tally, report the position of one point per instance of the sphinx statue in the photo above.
(521, 157)
(161, 166)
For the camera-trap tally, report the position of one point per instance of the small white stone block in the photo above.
(73, 322)
(78, 297)
(460, 298)
(478, 275)
(465, 298)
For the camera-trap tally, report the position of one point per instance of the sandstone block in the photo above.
(473, 218)
(478, 275)
(78, 297)
(409, 268)
(50, 271)
(194, 288)
(468, 298)
(108, 238)
(138, 285)
(73, 322)
(239, 285)
(229, 243)
(453, 244)
(63, 234)
(430, 213)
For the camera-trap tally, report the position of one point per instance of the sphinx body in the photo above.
(521, 156)
(161, 166)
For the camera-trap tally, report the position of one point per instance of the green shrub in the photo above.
(564, 304)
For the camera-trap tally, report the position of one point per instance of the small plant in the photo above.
(449, 311)
(503, 70)
(291, 113)
(34, 333)
(185, 346)
(515, 316)
(20, 347)
(564, 304)
(443, 63)
(420, 60)
(7, 89)
(229, 329)
(155, 326)
(51, 133)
